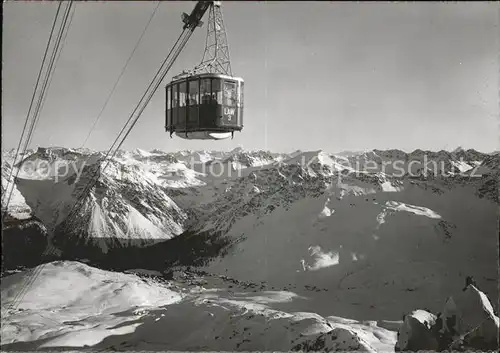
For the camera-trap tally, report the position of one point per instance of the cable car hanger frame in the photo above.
(195, 118)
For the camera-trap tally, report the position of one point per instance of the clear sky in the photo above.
(318, 75)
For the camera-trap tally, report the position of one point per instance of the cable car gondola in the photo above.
(207, 103)
(205, 106)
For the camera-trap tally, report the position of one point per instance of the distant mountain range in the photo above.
(313, 219)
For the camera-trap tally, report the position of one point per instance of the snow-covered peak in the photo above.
(143, 153)
(236, 150)
(391, 154)
(245, 159)
(349, 153)
(157, 151)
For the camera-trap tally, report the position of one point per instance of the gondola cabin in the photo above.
(205, 106)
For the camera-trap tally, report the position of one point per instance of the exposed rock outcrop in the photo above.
(467, 323)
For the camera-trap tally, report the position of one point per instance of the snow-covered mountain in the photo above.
(316, 219)
(127, 205)
(157, 195)
(342, 234)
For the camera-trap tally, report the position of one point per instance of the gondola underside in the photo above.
(203, 135)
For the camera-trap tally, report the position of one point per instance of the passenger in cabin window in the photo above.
(205, 99)
(192, 100)
(230, 101)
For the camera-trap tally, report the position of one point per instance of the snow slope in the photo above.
(72, 305)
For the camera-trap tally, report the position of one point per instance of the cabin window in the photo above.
(242, 93)
(229, 93)
(169, 98)
(217, 91)
(194, 92)
(175, 104)
(175, 96)
(183, 97)
(169, 106)
(205, 90)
